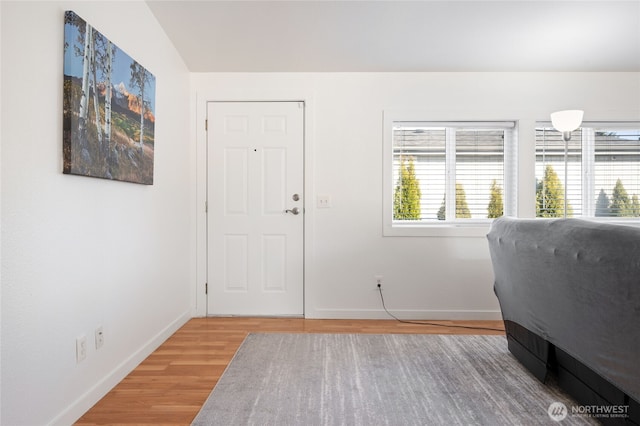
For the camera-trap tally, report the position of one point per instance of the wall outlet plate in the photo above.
(81, 348)
(99, 337)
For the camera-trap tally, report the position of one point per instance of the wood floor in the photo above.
(170, 386)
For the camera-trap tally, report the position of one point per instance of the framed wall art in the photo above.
(108, 108)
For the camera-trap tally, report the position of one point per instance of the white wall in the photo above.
(424, 277)
(82, 252)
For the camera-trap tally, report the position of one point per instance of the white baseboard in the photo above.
(72, 413)
(320, 313)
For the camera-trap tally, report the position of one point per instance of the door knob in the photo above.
(294, 210)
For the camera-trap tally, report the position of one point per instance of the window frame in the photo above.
(457, 227)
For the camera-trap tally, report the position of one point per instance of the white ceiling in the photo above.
(419, 35)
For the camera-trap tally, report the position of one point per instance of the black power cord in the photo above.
(427, 322)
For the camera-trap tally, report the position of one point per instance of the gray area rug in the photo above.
(397, 379)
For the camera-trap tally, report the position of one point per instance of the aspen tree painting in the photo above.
(109, 99)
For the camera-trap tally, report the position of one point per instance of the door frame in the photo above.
(199, 191)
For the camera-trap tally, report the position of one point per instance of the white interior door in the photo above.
(255, 208)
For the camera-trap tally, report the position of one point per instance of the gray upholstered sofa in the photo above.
(569, 292)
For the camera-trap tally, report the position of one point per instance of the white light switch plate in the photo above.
(324, 201)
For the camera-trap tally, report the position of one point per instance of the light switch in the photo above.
(324, 201)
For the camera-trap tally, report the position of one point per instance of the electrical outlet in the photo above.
(99, 337)
(81, 348)
(378, 279)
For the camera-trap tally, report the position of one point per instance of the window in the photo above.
(599, 172)
(452, 174)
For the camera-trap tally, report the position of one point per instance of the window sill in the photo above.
(473, 230)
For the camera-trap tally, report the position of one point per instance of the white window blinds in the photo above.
(600, 171)
(451, 171)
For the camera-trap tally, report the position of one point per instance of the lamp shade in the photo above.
(567, 121)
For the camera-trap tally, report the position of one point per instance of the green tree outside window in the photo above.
(620, 201)
(635, 206)
(406, 198)
(550, 196)
(496, 205)
(462, 208)
(602, 205)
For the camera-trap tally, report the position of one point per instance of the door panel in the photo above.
(235, 263)
(255, 224)
(274, 181)
(235, 181)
